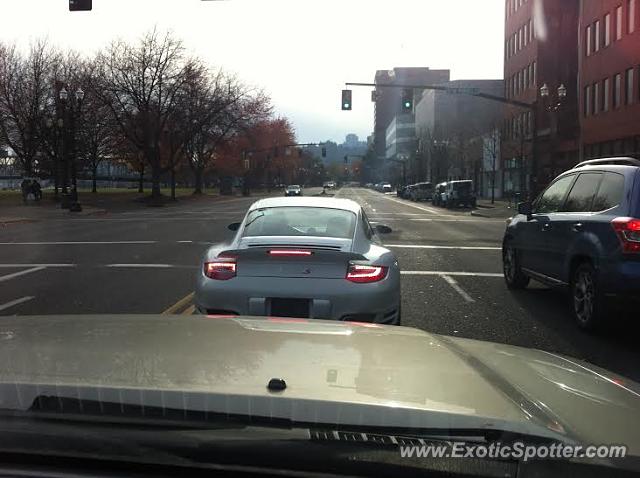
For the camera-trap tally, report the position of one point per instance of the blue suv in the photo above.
(581, 233)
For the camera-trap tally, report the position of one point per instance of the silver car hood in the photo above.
(336, 373)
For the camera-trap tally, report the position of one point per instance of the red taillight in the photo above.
(628, 230)
(361, 273)
(220, 270)
(289, 252)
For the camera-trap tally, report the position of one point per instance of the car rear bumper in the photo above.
(621, 278)
(336, 299)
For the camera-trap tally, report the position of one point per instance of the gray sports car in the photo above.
(311, 257)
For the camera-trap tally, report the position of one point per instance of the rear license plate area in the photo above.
(289, 307)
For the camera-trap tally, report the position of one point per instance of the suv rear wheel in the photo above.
(587, 300)
(513, 275)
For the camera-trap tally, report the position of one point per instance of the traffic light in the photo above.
(79, 5)
(346, 99)
(407, 100)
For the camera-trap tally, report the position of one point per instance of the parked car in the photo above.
(438, 194)
(582, 233)
(369, 185)
(401, 191)
(422, 192)
(386, 188)
(458, 193)
(293, 190)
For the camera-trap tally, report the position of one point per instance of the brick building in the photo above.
(540, 48)
(609, 56)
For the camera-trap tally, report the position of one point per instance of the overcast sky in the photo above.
(300, 51)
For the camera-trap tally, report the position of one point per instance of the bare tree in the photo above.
(141, 85)
(217, 107)
(24, 89)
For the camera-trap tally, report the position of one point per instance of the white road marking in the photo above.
(14, 266)
(185, 242)
(21, 273)
(16, 302)
(159, 266)
(460, 220)
(455, 286)
(448, 273)
(72, 243)
(432, 211)
(427, 246)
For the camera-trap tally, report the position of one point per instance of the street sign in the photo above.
(246, 164)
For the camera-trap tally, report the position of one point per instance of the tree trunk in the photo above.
(155, 181)
(94, 183)
(173, 183)
(198, 173)
(141, 181)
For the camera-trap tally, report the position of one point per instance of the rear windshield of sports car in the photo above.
(300, 221)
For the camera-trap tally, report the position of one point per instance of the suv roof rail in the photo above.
(623, 161)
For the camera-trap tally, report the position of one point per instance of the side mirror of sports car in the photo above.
(382, 229)
(234, 226)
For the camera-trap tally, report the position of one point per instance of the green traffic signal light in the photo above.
(346, 99)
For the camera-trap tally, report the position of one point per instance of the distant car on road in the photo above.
(458, 193)
(293, 190)
(583, 234)
(422, 192)
(304, 257)
(386, 188)
(369, 185)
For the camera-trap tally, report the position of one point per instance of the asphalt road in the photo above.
(144, 261)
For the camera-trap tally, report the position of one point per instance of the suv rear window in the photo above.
(581, 196)
(610, 192)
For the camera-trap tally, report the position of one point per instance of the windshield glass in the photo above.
(300, 221)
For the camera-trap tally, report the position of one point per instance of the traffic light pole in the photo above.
(474, 92)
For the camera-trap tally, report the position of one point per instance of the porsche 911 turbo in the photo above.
(302, 257)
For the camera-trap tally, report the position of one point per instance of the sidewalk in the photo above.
(500, 209)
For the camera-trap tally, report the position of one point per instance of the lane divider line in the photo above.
(15, 266)
(156, 266)
(428, 246)
(21, 273)
(454, 274)
(181, 304)
(16, 302)
(72, 243)
(455, 286)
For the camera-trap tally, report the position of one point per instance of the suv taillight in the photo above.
(362, 273)
(224, 269)
(628, 230)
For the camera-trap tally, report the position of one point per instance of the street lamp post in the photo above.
(552, 105)
(70, 111)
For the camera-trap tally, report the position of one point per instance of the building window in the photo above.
(596, 35)
(631, 16)
(588, 40)
(519, 38)
(607, 29)
(605, 94)
(587, 100)
(596, 98)
(618, 22)
(530, 31)
(628, 81)
(525, 35)
(525, 72)
(533, 74)
(617, 80)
